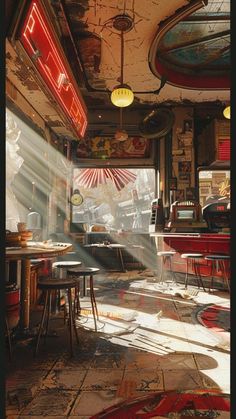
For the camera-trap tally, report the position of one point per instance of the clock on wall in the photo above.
(76, 198)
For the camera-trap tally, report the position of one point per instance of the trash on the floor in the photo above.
(187, 294)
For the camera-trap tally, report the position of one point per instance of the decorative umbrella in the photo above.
(91, 178)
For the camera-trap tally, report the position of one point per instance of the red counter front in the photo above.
(205, 243)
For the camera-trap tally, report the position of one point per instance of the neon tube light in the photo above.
(40, 43)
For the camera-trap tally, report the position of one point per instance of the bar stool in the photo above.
(60, 271)
(63, 266)
(194, 259)
(166, 256)
(49, 285)
(85, 272)
(218, 261)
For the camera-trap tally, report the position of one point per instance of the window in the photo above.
(116, 203)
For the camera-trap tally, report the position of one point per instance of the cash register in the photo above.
(186, 217)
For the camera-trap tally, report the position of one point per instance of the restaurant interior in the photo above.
(117, 228)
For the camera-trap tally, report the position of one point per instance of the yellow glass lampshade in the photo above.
(122, 96)
(226, 112)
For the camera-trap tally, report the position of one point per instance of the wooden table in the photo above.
(34, 250)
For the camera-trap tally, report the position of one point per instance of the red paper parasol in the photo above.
(91, 178)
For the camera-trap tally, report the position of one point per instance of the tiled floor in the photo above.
(148, 340)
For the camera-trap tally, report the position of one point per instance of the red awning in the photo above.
(91, 178)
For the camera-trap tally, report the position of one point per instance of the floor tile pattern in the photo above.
(147, 341)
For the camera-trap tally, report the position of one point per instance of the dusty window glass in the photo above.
(117, 199)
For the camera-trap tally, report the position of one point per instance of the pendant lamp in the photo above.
(226, 112)
(122, 94)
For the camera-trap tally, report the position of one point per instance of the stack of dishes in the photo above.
(25, 236)
(13, 239)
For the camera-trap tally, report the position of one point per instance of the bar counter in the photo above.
(206, 243)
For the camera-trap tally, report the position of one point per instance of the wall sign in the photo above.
(41, 44)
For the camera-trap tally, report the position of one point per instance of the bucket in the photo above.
(12, 304)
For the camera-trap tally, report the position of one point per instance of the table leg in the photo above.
(25, 294)
(121, 260)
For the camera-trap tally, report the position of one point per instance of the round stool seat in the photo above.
(60, 284)
(217, 257)
(191, 255)
(66, 264)
(166, 253)
(82, 271)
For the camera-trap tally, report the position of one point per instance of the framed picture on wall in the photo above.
(179, 195)
(188, 125)
(184, 167)
(190, 194)
(184, 177)
(173, 183)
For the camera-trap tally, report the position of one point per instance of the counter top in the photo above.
(223, 236)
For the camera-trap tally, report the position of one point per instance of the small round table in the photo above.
(34, 250)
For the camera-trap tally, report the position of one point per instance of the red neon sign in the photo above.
(40, 43)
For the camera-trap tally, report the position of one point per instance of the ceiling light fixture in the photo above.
(122, 94)
(226, 112)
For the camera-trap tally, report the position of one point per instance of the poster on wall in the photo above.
(184, 169)
(185, 140)
(105, 147)
(179, 195)
(190, 194)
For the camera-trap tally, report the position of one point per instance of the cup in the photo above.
(21, 226)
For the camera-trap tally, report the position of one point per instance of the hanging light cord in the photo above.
(122, 57)
(121, 119)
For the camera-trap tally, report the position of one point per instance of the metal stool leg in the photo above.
(213, 266)
(8, 339)
(93, 302)
(70, 321)
(195, 269)
(162, 270)
(225, 276)
(171, 270)
(41, 323)
(186, 275)
(197, 272)
(48, 315)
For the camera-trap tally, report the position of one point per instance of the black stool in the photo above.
(49, 285)
(60, 271)
(218, 261)
(63, 266)
(194, 259)
(166, 256)
(84, 272)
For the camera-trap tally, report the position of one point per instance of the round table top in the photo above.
(110, 245)
(37, 250)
